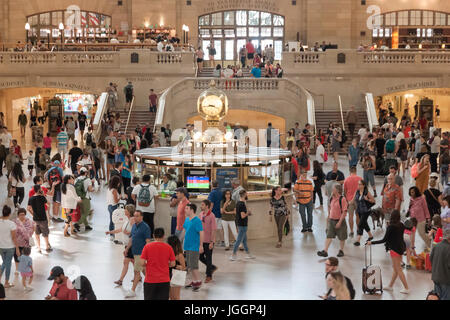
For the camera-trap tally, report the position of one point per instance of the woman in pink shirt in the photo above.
(48, 143)
(24, 231)
(418, 209)
(209, 238)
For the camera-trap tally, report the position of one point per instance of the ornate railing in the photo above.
(88, 58)
(389, 57)
(31, 58)
(240, 84)
(307, 57)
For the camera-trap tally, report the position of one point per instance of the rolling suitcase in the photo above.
(371, 276)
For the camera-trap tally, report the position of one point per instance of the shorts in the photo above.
(199, 60)
(138, 267)
(407, 240)
(57, 196)
(26, 274)
(250, 55)
(16, 258)
(394, 254)
(42, 228)
(110, 161)
(128, 98)
(219, 223)
(192, 258)
(63, 149)
(351, 207)
(129, 254)
(332, 232)
(69, 213)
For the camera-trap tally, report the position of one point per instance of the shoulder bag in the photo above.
(178, 278)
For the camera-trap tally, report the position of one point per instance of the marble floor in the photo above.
(291, 272)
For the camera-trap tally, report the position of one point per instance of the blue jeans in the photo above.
(242, 237)
(443, 290)
(173, 225)
(307, 221)
(111, 209)
(7, 256)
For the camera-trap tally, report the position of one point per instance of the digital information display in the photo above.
(196, 182)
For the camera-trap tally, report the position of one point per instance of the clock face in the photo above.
(212, 106)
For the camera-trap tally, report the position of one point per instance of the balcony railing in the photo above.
(171, 62)
(239, 84)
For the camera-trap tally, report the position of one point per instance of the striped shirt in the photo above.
(304, 191)
(62, 138)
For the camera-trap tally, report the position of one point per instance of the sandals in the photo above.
(278, 245)
(118, 282)
(9, 285)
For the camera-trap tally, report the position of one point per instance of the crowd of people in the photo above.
(64, 180)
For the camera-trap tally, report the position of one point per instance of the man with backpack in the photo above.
(88, 138)
(128, 91)
(54, 177)
(336, 224)
(83, 185)
(144, 194)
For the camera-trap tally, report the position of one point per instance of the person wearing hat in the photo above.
(440, 272)
(62, 288)
(84, 185)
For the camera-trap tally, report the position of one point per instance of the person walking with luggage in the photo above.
(69, 202)
(209, 238)
(418, 209)
(336, 224)
(144, 194)
(363, 201)
(304, 190)
(242, 214)
(396, 246)
(319, 180)
(440, 272)
(279, 208)
(155, 257)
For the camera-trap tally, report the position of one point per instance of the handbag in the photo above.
(31, 242)
(178, 278)
(287, 228)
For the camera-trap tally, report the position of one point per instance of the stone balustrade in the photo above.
(240, 84)
(123, 60)
(352, 62)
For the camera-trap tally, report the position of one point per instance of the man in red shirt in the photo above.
(350, 187)
(250, 52)
(156, 258)
(62, 288)
(153, 101)
(181, 215)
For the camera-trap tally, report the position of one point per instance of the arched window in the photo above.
(86, 26)
(411, 28)
(229, 31)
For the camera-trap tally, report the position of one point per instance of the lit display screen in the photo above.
(195, 182)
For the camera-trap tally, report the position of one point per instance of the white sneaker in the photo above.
(130, 294)
(233, 257)
(28, 289)
(388, 289)
(249, 256)
(405, 291)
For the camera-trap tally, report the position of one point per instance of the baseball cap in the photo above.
(56, 162)
(56, 272)
(83, 169)
(182, 190)
(434, 175)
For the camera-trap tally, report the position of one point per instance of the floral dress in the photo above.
(24, 232)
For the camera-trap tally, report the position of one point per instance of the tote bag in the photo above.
(178, 278)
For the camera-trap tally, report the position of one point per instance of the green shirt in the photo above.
(231, 206)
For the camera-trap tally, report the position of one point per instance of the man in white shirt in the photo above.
(362, 132)
(434, 150)
(320, 151)
(6, 138)
(400, 136)
(145, 201)
(160, 46)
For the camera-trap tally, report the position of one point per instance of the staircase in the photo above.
(209, 73)
(139, 116)
(323, 118)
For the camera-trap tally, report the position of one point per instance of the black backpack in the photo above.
(129, 91)
(88, 139)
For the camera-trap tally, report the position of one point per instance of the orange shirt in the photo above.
(351, 186)
(304, 191)
(181, 214)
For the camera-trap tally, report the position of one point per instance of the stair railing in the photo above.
(129, 114)
(342, 113)
(371, 112)
(102, 108)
